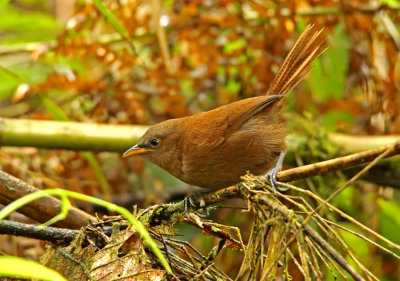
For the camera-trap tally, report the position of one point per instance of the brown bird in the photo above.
(214, 149)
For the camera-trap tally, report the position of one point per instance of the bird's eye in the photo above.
(154, 142)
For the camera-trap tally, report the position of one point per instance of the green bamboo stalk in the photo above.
(69, 135)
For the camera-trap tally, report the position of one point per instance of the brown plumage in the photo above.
(214, 149)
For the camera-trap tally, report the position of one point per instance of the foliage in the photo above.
(140, 62)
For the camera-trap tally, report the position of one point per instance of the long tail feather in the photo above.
(311, 44)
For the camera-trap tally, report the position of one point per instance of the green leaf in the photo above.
(21, 268)
(54, 109)
(233, 86)
(24, 27)
(232, 46)
(71, 64)
(187, 88)
(111, 18)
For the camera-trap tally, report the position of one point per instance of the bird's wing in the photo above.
(215, 126)
(238, 116)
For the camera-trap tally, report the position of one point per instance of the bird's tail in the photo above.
(311, 43)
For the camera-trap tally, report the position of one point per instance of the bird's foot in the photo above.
(270, 177)
(189, 203)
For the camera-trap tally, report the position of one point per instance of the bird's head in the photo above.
(159, 143)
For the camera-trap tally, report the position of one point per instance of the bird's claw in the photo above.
(270, 177)
(189, 203)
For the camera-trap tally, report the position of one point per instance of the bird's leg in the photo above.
(270, 177)
(189, 201)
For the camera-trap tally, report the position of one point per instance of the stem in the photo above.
(68, 135)
(55, 235)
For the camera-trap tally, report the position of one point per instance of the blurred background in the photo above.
(63, 60)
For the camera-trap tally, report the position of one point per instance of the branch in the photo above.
(288, 216)
(335, 164)
(40, 210)
(58, 236)
(139, 198)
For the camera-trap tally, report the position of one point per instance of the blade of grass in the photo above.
(18, 267)
(14, 206)
(112, 19)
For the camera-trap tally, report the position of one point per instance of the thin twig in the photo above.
(387, 151)
(323, 253)
(363, 237)
(346, 216)
(312, 234)
(299, 267)
(324, 259)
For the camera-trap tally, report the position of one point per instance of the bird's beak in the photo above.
(134, 150)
